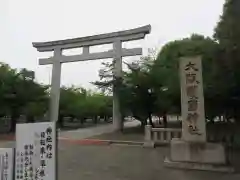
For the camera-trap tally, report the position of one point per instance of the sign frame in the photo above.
(37, 143)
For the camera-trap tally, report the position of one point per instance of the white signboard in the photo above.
(35, 151)
(192, 100)
(6, 164)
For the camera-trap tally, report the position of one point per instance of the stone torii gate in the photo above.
(115, 38)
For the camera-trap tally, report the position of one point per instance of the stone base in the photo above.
(149, 144)
(198, 166)
(196, 155)
(197, 152)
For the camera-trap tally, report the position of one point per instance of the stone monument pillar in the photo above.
(193, 151)
(192, 100)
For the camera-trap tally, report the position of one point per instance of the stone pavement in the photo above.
(117, 162)
(81, 133)
(134, 134)
(93, 131)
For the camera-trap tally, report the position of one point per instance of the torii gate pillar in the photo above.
(115, 38)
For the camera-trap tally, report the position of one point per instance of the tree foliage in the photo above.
(20, 95)
(167, 66)
(79, 103)
(227, 33)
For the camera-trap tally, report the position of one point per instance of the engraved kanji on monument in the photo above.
(193, 125)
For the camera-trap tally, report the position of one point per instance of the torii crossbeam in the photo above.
(115, 38)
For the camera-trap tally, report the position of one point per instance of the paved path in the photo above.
(93, 131)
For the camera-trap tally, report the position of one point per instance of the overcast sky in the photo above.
(26, 21)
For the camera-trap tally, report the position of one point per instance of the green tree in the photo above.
(80, 103)
(166, 69)
(227, 33)
(20, 95)
(7, 77)
(136, 90)
(70, 100)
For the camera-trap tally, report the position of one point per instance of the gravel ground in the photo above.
(123, 163)
(117, 162)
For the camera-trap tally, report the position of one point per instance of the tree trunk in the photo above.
(72, 119)
(60, 122)
(30, 119)
(81, 120)
(237, 118)
(165, 120)
(159, 120)
(143, 123)
(150, 119)
(95, 119)
(13, 122)
(105, 119)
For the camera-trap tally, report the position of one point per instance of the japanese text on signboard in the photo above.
(35, 155)
(4, 166)
(45, 149)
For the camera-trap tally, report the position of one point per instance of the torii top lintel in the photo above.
(127, 35)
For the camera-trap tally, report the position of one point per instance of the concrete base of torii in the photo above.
(197, 156)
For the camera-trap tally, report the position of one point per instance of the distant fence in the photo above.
(155, 136)
(163, 136)
(5, 124)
